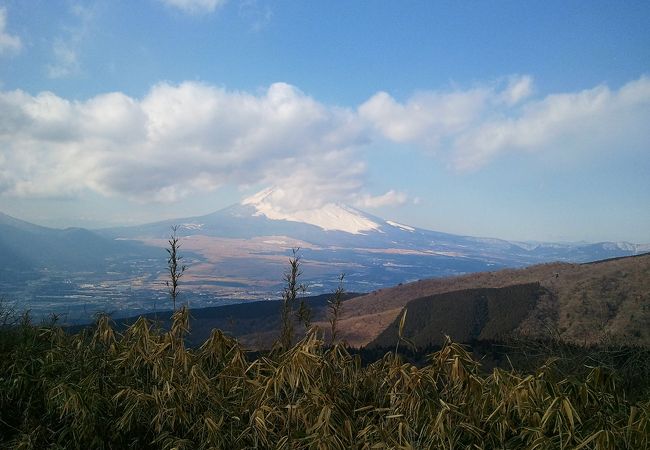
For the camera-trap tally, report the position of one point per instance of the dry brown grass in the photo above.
(590, 301)
(466, 316)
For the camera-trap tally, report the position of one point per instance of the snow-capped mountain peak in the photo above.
(329, 217)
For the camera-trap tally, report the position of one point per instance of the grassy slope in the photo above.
(586, 301)
(468, 315)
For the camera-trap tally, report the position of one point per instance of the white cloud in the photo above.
(9, 44)
(67, 47)
(258, 15)
(66, 60)
(390, 198)
(585, 122)
(472, 127)
(177, 140)
(182, 139)
(426, 117)
(517, 90)
(195, 6)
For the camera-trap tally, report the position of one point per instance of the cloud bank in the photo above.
(473, 127)
(177, 140)
(192, 137)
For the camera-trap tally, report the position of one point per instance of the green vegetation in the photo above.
(144, 389)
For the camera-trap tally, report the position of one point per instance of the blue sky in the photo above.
(519, 120)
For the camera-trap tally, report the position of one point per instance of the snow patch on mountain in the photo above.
(329, 217)
(400, 226)
(192, 226)
(627, 246)
(633, 249)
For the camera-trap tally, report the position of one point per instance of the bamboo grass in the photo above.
(143, 388)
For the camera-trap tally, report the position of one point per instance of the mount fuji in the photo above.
(241, 242)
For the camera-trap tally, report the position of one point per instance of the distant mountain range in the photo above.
(240, 252)
(345, 235)
(333, 225)
(27, 248)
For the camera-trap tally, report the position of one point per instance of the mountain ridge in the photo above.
(585, 302)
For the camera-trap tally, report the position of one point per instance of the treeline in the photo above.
(142, 388)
